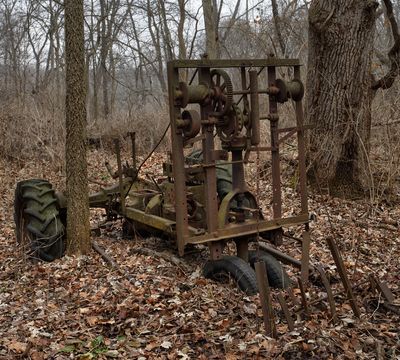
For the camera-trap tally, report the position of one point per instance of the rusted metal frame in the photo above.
(265, 298)
(244, 85)
(153, 221)
(303, 182)
(229, 63)
(303, 296)
(157, 222)
(248, 228)
(254, 108)
(282, 257)
(343, 275)
(275, 158)
(210, 184)
(132, 135)
(286, 136)
(301, 148)
(120, 176)
(286, 312)
(305, 255)
(331, 300)
(276, 179)
(178, 161)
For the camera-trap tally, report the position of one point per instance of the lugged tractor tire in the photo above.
(39, 229)
(235, 268)
(277, 276)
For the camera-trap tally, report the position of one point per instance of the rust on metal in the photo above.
(343, 275)
(303, 296)
(286, 311)
(265, 298)
(305, 255)
(382, 288)
(331, 300)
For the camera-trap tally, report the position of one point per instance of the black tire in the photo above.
(277, 276)
(39, 229)
(235, 268)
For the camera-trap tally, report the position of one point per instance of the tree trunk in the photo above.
(341, 34)
(211, 27)
(78, 228)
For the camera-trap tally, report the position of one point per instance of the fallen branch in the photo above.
(163, 255)
(110, 261)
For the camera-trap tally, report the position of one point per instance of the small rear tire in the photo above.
(277, 276)
(39, 229)
(235, 268)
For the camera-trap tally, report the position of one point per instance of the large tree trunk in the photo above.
(78, 228)
(341, 34)
(211, 27)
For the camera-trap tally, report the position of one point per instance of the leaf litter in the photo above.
(79, 307)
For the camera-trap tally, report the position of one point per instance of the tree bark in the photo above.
(211, 27)
(341, 34)
(78, 228)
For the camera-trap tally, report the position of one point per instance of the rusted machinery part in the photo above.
(39, 229)
(235, 268)
(293, 89)
(191, 123)
(277, 276)
(231, 125)
(223, 92)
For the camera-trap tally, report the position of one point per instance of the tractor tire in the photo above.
(235, 268)
(277, 276)
(39, 229)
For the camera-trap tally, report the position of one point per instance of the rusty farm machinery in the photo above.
(203, 197)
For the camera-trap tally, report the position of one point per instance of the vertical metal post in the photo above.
(301, 144)
(275, 160)
(132, 134)
(276, 171)
(120, 180)
(178, 162)
(265, 298)
(343, 275)
(255, 109)
(210, 175)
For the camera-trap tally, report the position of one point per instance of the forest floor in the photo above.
(80, 307)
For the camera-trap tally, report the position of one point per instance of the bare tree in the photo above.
(78, 230)
(340, 93)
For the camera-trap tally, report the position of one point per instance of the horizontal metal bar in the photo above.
(154, 221)
(227, 63)
(249, 228)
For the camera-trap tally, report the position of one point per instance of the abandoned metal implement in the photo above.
(215, 122)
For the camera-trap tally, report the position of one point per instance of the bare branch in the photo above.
(394, 54)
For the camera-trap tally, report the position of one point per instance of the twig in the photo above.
(110, 261)
(163, 255)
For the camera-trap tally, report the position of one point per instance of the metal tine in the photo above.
(382, 288)
(303, 296)
(265, 298)
(343, 275)
(329, 293)
(286, 311)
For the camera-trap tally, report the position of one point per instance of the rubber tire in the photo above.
(236, 268)
(37, 220)
(277, 276)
